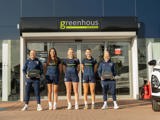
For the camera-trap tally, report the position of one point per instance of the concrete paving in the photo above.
(129, 110)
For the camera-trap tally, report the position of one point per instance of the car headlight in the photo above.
(155, 82)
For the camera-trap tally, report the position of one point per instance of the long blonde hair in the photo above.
(74, 57)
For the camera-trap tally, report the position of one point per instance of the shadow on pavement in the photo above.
(124, 104)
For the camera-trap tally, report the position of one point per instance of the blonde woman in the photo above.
(89, 68)
(71, 69)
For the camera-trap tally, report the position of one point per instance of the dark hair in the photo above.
(88, 49)
(49, 56)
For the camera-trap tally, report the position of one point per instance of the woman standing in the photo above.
(106, 71)
(71, 70)
(52, 71)
(32, 70)
(89, 67)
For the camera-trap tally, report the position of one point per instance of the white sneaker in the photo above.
(93, 106)
(85, 106)
(116, 107)
(104, 107)
(69, 107)
(39, 107)
(76, 107)
(25, 108)
(50, 105)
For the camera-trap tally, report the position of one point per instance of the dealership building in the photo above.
(127, 29)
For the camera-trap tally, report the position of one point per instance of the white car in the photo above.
(155, 84)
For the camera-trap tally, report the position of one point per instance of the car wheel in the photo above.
(155, 105)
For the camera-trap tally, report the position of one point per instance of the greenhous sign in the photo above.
(79, 24)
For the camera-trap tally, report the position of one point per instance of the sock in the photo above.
(115, 103)
(55, 103)
(69, 103)
(85, 102)
(26, 105)
(92, 102)
(38, 105)
(105, 103)
(76, 103)
(50, 103)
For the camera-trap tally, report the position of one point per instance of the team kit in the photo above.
(70, 66)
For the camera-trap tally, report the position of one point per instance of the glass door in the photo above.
(120, 55)
(1, 70)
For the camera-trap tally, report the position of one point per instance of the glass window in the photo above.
(119, 52)
(11, 49)
(15, 70)
(1, 69)
(142, 66)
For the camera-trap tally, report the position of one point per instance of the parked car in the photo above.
(155, 84)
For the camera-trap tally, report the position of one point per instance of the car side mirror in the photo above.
(152, 62)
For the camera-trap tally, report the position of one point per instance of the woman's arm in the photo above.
(113, 70)
(78, 68)
(82, 68)
(41, 68)
(25, 67)
(64, 68)
(95, 67)
(44, 68)
(60, 68)
(100, 70)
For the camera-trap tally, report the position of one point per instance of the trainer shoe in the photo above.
(104, 107)
(116, 107)
(54, 107)
(25, 108)
(92, 106)
(76, 107)
(39, 107)
(85, 107)
(69, 107)
(50, 105)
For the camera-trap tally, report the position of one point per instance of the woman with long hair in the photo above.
(89, 68)
(71, 69)
(52, 71)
